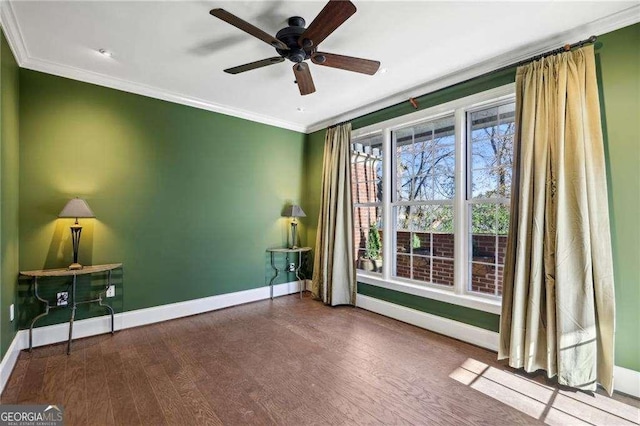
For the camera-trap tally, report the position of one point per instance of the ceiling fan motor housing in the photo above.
(290, 36)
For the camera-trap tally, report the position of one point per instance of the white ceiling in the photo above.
(177, 51)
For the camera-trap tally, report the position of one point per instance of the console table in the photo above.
(44, 273)
(299, 251)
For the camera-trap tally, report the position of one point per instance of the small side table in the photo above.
(74, 303)
(287, 251)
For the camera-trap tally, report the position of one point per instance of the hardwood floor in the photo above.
(289, 362)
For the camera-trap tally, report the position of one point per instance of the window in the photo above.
(366, 188)
(424, 156)
(431, 196)
(490, 154)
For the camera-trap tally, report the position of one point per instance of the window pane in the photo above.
(442, 272)
(364, 217)
(483, 219)
(421, 268)
(425, 161)
(421, 217)
(484, 183)
(403, 266)
(421, 243)
(483, 278)
(502, 249)
(483, 248)
(491, 153)
(504, 182)
(422, 187)
(442, 219)
(483, 155)
(486, 278)
(503, 219)
(444, 166)
(367, 191)
(499, 278)
(368, 238)
(443, 245)
(403, 218)
(403, 242)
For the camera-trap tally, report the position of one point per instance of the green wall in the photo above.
(188, 199)
(9, 137)
(314, 150)
(618, 62)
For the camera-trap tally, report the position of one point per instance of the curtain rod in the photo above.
(339, 124)
(565, 48)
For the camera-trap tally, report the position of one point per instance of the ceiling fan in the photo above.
(297, 44)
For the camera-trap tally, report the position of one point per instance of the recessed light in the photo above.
(300, 109)
(105, 53)
(383, 71)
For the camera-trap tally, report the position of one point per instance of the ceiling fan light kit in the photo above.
(298, 44)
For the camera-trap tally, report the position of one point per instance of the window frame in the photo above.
(459, 294)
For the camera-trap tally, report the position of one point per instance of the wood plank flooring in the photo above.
(285, 362)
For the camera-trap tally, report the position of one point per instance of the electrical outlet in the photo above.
(62, 298)
(111, 291)
(11, 313)
(292, 267)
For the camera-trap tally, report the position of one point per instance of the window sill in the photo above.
(485, 304)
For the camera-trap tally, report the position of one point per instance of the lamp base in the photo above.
(294, 227)
(74, 266)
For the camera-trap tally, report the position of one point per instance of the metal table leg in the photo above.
(302, 284)
(45, 313)
(73, 314)
(104, 305)
(274, 277)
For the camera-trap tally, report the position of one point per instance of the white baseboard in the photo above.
(626, 381)
(458, 330)
(9, 361)
(99, 325)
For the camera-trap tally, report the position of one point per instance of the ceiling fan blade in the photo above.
(303, 78)
(248, 28)
(349, 63)
(253, 65)
(330, 17)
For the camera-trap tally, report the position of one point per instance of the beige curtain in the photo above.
(558, 308)
(333, 267)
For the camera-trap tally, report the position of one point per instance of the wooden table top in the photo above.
(64, 272)
(289, 250)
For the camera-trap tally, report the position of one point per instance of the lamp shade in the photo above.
(293, 211)
(76, 208)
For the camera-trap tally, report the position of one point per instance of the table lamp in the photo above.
(293, 211)
(76, 208)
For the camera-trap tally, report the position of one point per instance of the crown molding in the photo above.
(599, 27)
(152, 92)
(9, 24)
(18, 46)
